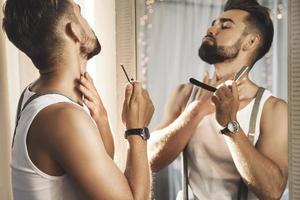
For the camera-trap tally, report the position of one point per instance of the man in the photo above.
(59, 151)
(217, 160)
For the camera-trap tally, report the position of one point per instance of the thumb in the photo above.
(128, 93)
(235, 92)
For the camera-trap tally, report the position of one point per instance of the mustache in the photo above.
(210, 36)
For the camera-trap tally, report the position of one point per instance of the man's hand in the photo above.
(203, 104)
(226, 100)
(94, 103)
(91, 98)
(137, 108)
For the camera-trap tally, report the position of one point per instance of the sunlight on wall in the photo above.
(87, 11)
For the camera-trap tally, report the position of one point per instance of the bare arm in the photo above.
(77, 146)
(176, 131)
(170, 141)
(265, 168)
(97, 110)
(168, 132)
(137, 112)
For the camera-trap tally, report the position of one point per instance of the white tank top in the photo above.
(211, 171)
(28, 182)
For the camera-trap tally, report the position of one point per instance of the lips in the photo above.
(209, 37)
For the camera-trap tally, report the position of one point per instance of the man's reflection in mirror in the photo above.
(236, 138)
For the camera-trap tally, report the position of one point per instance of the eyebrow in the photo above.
(222, 20)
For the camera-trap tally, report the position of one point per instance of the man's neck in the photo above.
(63, 78)
(228, 69)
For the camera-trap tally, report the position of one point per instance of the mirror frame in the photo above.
(127, 55)
(294, 98)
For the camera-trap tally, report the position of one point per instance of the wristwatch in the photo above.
(143, 132)
(232, 127)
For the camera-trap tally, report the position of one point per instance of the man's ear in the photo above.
(73, 31)
(251, 41)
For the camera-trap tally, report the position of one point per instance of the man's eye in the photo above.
(225, 27)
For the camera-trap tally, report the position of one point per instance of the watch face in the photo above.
(145, 134)
(233, 126)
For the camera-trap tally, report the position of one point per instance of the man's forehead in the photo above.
(236, 16)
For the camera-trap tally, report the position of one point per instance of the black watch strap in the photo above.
(225, 131)
(143, 132)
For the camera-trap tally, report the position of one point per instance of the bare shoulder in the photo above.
(274, 133)
(275, 107)
(62, 123)
(274, 120)
(63, 116)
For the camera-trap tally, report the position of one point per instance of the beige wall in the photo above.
(5, 127)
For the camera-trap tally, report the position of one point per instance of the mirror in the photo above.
(168, 36)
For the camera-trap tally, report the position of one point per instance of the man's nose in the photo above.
(213, 30)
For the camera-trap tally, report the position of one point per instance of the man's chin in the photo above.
(95, 51)
(209, 56)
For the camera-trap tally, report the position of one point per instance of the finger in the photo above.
(220, 93)
(150, 114)
(88, 84)
(227, 91)
(225, 78)
(242, 81)
(235, 92)
(89, 104)
(145, 94)
(86, 92)
(88, 76)
(149, 107)
(229, 83)
(137, 90)
(215, 100)
(128, 93)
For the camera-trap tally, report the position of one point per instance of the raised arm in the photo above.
(264, 168)
(178, 125)
(97, 111)
(77, 146)
(169, 141)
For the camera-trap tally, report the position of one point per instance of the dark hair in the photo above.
(258, 19)
(31, 25)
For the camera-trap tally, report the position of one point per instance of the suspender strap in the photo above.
(33, 97)
(184, 167)
(254, 113)
(185, 191)
(18, 113)
(243, 189)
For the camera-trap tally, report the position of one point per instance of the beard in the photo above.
(90, 46)
(212, 53)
